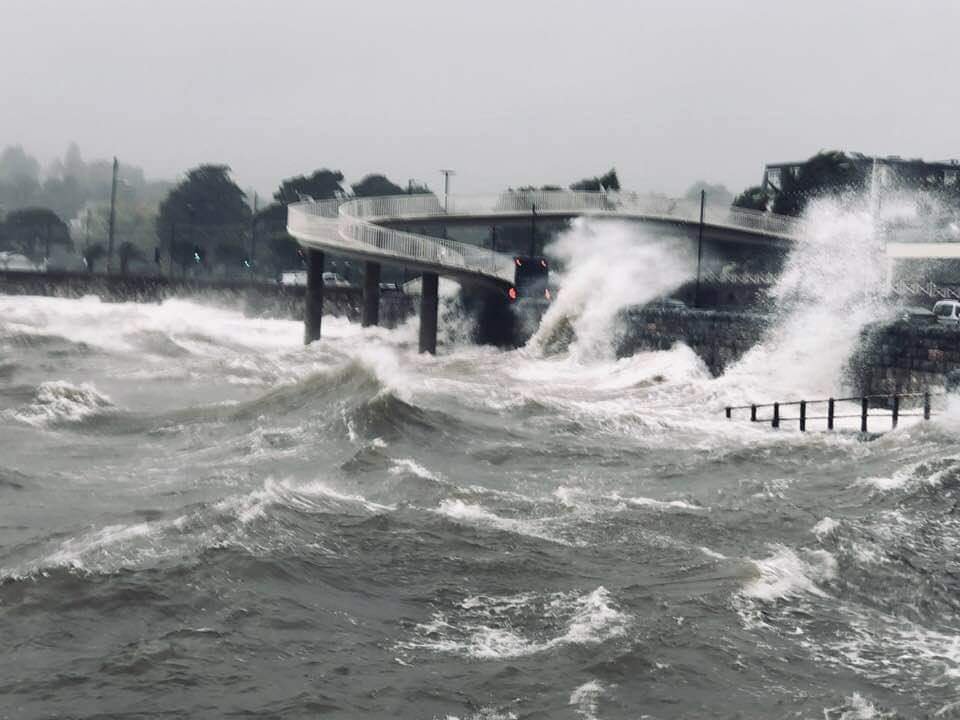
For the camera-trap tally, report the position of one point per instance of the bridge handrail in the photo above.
(332, 221)
(356, 223)
(558, 201)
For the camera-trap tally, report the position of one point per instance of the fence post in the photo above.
(776, 415)
(926, 405)
(728, 409)
(864, 402)
(803, 416)
(830, 414)
(753, 413)
(895, 418)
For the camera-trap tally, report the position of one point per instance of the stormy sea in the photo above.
(200, 517)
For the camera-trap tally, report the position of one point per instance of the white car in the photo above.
(947, 311)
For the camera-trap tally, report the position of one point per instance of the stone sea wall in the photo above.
(905, 357)
(719, 337)
(257, 299)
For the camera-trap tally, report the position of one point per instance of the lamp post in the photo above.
(696, 292)
(446, 186)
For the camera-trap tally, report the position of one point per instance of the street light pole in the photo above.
(113, 215)
(446, 186)
(696, 292)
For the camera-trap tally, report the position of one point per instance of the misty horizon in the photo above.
(508, 95)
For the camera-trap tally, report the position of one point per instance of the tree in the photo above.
(716, 194)
(321, 185)
(128, 252)
(374, 185)
(418, 188)
(826, 173)
(205, 209)
(753, 198)
(276, 250)
(609, 181)
(92, 254)
(35, 232)
(15, 163)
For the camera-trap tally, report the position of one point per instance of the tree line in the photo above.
(202, 225)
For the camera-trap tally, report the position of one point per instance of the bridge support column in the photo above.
(429, 301)
(371, 294)
(313, 300)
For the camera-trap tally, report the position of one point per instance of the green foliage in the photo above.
(375, 185)
(609, 181)
(206, 209)
(753, 198)
(34, 232)
(321, 185)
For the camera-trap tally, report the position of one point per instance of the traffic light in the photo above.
(247, 264)
(156, 255)
(199, 254)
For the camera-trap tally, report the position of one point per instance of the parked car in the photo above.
(917, 315)
(947, 311)
(332, 279)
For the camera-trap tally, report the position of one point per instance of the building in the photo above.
(892, 171)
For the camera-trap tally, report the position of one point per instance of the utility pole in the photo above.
(446, 186)
(696, 292)
(113, 211)
(253, 238)
(533, 231)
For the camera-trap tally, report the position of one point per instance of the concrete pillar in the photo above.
(428, 313)
(313, 300)
(371, 294)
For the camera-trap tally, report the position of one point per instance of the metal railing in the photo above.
(571, 202)
(931, 290)
(352, 225)
(777, 418)
(734, 278)
(330, 223)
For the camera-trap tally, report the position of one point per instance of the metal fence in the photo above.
(828, 406)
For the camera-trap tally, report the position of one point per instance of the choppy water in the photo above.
(201, 518)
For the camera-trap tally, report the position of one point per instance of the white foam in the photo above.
(594, 290)
(59, 401)
(712, 553)
(824, 527)
(409, 465)
(786, 573)
(474, 514)
(485, 626)
(585, 698)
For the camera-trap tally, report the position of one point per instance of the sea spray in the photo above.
(609, 266)
(832, 285)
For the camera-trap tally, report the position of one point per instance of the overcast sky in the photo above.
(505, 92)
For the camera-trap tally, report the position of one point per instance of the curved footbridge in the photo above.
(372, 230)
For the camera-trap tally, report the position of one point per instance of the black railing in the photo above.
(777, 418)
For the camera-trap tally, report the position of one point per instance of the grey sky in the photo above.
(507, 93)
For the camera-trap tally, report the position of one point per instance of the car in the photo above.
(332, 279)
(947, 311)
(917, 315)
